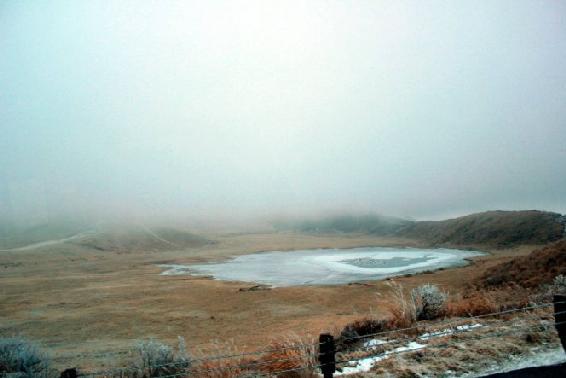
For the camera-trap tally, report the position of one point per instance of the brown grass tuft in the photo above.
(222, 368)
(478, 303)
(402, 309)
(292, 353)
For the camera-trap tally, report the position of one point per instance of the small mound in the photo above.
(537, 268)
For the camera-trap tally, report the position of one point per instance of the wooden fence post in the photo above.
(69, 373)
(327, 355)
(560, 317)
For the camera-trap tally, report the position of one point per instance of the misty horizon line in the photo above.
(213, 221)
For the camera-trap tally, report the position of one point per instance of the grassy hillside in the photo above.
(537, 268)
(14, 237)
(371, 224)
(141, 239)
(496, 229)
(492, 228)
(104, 238)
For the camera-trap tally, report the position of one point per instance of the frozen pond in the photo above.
(326, 266)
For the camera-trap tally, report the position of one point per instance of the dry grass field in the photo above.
(88, 306)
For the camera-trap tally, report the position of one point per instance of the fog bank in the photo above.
(244, 109)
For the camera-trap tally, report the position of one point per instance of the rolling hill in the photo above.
(496, 229)
(492, 228)
(141, 239)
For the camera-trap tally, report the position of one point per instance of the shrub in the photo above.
(230, 367)
(429, 302)
(478, 303)
(155, 359)
(365, 326)
(20, 358)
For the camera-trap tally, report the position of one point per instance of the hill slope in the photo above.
(491, 228)
(373, 224)
(498, 229)
(537, 268)
(141, 239)
(16, 237)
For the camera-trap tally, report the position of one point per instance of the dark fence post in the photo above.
(327, 355)
(560, 317)
(69, 373)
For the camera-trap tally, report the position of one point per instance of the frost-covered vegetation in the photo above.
(21, 358)
(429, 302)
(152, 358)
(559, 284)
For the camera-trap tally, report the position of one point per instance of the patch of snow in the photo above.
(365, 364)
(413, 345)
(371, 344)
(449, 331)
(467, 327)
(429, 335)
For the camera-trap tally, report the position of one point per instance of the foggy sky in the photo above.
(243, 108)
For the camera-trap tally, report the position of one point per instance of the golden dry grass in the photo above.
(88, 306)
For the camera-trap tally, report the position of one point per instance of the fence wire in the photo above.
(255, 364)
(451, 321)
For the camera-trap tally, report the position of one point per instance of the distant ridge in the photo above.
(493, 228)
(142, 238)
(15, 237)
(498, 229)
(102, 237)
(374, 224)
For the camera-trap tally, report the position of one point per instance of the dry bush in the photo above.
(20, 358)
(351, 333)
(292, 353)
(403, 311)
(222, 368)
(231, 367)
(363, 327)
(478, 303)
(429, 302)
(151, 358)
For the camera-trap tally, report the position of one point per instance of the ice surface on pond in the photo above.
(325, 266)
